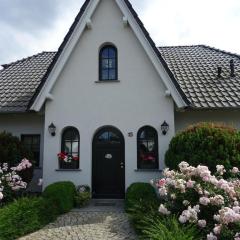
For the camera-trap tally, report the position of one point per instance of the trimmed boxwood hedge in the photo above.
(207, 144)
(140, 194)
(61, 196)
(24, 216)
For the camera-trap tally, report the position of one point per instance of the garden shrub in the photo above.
(12, 152)
(209, 201)
(142, 194)
(159, 228)
(83, 196)
(24, 216)
(11, 183)
(61, 196)
(142, 206)
(207, 144)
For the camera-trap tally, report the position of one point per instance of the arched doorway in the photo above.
(108, 164)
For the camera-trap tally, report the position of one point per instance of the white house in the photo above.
(112, 101)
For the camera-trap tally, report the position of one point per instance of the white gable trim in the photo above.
(59, 65)
(152, 55)
(78, 31)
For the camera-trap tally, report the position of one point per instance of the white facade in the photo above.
(138, 99)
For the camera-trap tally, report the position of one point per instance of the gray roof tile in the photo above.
(195, 69)
(19, 80)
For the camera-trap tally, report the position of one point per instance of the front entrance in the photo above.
(108, 164)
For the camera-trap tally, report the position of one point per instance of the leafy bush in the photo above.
(83, 196)
(61, 196)
(140, 193)
(11, 181)
(168, 229)
(207, 144)
(24, 216)
(12, 152)
(142, 206)
(211, 202)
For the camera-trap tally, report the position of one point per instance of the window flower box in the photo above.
(67, 161)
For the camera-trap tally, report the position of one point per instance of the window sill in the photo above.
(148, 170)
(107, 81)
(68, 170)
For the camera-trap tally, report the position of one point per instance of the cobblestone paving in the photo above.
(87, 225)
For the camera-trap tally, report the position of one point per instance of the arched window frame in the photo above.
(74, 164)
(154, 166)
(101, 68)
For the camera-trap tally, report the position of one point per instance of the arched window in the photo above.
(70, 149)
(147, 147)
(108, 63)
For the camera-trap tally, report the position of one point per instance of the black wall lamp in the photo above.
(164, 128)
(52, 129)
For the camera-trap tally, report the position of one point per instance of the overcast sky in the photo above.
(31, 26)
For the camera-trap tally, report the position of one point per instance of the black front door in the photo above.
(108, 173)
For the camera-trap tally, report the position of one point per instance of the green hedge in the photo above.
(142, 206)
(167, 228)
(12, 151)
(27, 215)
(61, 196)
(207, 144)
(140, 193)
(24, 216)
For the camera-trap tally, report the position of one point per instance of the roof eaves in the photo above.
(212, 108)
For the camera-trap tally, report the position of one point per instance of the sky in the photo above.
(32, 26)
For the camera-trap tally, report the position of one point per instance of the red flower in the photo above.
(148, 157)
(75, 158)
(62, 155)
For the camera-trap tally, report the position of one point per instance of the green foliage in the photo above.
(11, 149)
(140, 211)
(142, 194)
(142, 206)
(169, 228)
(12, 152)
(82, 199)
(27, 215)
(207, 144)
(83, 196)
(61, 196)
(24, 216)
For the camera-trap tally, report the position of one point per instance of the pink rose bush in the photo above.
(198, 197)
(9, 178)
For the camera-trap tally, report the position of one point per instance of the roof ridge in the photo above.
(221, 51)
(180, 46)
(5, 66)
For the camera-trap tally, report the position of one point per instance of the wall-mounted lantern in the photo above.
(164, 128)
(52, 129)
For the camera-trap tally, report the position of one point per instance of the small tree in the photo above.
(12, 151)
(207, 144)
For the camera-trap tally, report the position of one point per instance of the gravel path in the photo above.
(91, 223)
